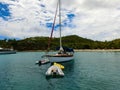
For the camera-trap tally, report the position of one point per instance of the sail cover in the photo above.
(66, 49)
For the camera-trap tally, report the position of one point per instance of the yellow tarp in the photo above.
(59, 65)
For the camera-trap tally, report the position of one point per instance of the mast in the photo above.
(49, 42)
(61, 48)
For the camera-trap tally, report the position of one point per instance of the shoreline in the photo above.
(97, 50)
(79, 50)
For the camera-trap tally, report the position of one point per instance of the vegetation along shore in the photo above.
(73, 41)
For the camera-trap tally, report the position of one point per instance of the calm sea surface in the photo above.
(88, 71)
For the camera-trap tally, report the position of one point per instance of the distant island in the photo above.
(73, 41)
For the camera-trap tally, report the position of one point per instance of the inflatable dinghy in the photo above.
(54, 71)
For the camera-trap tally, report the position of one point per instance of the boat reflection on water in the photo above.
(69, 66)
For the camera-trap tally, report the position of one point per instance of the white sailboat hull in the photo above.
(60, 59)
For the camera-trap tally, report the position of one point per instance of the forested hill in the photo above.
(72, 41)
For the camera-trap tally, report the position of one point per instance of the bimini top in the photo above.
(66, 49)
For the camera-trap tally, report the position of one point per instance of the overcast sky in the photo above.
(92, 19)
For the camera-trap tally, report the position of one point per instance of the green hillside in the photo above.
(73, 41)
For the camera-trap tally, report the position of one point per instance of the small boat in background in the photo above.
(7, 51)
(54, 71)
(41, 62)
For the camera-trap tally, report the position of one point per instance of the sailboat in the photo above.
(7, 51)
(64, 54)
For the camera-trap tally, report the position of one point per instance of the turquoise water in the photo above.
(88, 71)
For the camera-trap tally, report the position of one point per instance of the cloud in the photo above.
(93, 19)
(98, 19)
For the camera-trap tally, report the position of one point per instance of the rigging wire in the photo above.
(49, 41)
